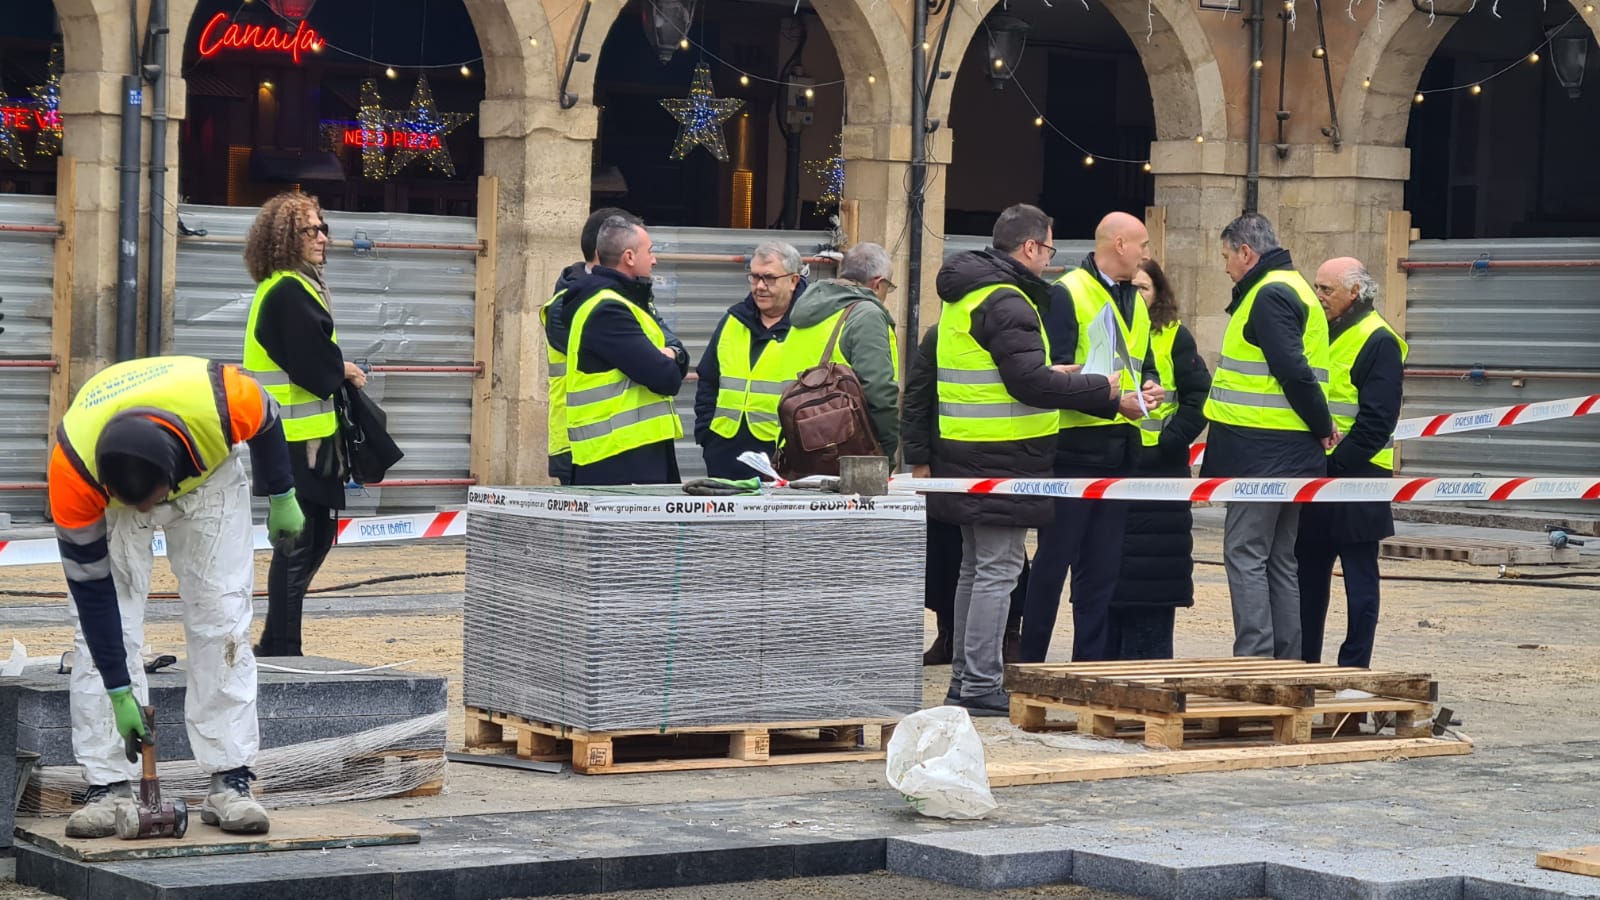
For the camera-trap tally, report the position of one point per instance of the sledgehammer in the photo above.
(151, 816)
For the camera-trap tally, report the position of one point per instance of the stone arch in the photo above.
(1392, 52)
(1185, 80)
(90, 33)
(863, 36)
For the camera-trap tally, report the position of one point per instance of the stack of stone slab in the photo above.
(624, 608)
(292, 708)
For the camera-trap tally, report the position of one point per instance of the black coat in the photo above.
(614, 340)
(1377, 374)
(296, 330)
(1276, 325)
(1007, 325)
(1158, 546)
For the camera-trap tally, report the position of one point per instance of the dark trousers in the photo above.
(1087, 539)
(290, 576)
(1360, 561)
(942, 569)
(1141, 632)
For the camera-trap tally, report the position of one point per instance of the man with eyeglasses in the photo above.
(866, 340)
(742, 373)
(1269, 419)
(998, 416)
(623, 369)
(1366, 363)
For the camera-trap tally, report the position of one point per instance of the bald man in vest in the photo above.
(1366, 363)
(148, 444)
(1086, 536)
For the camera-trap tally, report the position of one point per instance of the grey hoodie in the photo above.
(865, 342)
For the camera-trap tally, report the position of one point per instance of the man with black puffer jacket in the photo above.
(999, 403)
(622, 372)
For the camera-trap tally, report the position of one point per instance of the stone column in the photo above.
(1323, 202)
(877, 171)
(541, 155)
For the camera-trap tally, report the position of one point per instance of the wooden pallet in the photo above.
(1169, 701)
(633, 751)
(1474, 551)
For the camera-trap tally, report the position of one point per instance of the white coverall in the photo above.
(210, 548)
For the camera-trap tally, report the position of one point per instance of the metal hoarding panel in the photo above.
(391, 307)
(27, 275)
(1535, 319)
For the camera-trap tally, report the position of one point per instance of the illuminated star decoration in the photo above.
(700, 117)
(830, 172)
(425, 128)
(372, 117)
(47, 102)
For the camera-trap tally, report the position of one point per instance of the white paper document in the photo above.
(1108, 352)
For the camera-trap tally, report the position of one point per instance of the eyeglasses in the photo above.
(313, 229)
(767, 280)
(1049, 248)
(888, 286)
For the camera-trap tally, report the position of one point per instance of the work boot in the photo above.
(939, 653)
(1011, 646)
(230, 805)
(98, 816)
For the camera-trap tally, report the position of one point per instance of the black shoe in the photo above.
(952, 696)
(994, 703)
(1011, 646)
(939, 653)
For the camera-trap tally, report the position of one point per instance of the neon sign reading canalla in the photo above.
(215, 38)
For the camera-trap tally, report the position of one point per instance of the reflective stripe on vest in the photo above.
(1344, 399)
(1243, 391)
(186, 392)
(974, 404)
(745, 393)
(607, 413)
(1161, 349)
(1089, 295)
(556, 387)
(305, 415)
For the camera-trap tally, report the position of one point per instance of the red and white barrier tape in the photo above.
(1475, 420)
(1266, 490)
(364, 530)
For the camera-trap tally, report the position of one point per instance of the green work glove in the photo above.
(285, 521)
(129, 715)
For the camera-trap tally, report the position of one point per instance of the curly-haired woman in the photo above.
(1158, 547)
(290, 346)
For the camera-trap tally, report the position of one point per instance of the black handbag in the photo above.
(369, 451)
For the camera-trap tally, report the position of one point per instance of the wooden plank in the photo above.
(1132, 696)
(1271, 693)
(61, 298)
(1226, 759)
(483, 326)
(1578, 861)
(1302, 690)
(292, 829)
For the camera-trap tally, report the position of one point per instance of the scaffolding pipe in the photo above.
(56, 230)
(1464, 374)
(478, 247)
(50, 364)
(1407, 265)
(476, 369)
(23, 485)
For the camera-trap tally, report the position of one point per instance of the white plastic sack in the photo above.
(936, 763)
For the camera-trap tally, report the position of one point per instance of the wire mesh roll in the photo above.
(620, 623)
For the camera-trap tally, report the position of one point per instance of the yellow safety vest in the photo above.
(1161, 349)
(1344, 400)
(1089, 296)
(185, 392)
(556, 383)
(746, 393)
(974, 404)
(607, 413)
(803, 348)
(305, 415)
(1243, 391)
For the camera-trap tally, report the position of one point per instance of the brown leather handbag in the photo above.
(823, 416)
